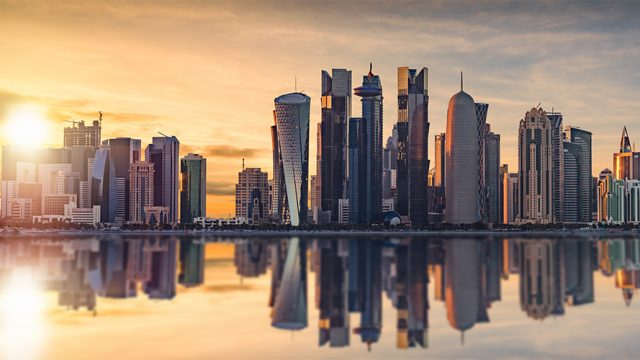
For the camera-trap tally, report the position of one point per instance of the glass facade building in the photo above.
(193, 196)
(368, 150)
(163, 153)
(413, 134)
(336, 110)
(292, 124)
(103, 185)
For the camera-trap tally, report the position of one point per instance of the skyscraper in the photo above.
(163, 152)
(252, 191)
(413, 134)
(390, 166)
(557, 165)
(140, 190)
(481, 117)
(492, 175)
(626, 163)
(336, 110)
(585, 176)
(82, 135)
(292, 125)
(461, 176)
(193, 196)
(103, 185)
(509, 195)
(536, 167)
(279, 207)
(440, 151)
(124, 152)
(571, 184)
(366, 150)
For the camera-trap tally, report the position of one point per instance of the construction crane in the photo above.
(163, 134)
(72, 121)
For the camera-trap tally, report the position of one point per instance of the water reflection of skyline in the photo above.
(351, 277)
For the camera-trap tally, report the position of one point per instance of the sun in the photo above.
(25, 125)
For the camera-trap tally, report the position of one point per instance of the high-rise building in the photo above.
(461, 174)
(557, 165)
(390, 166)
(141, 176)
(584, 173)
(413, 135)
(279, 205)
(81, 135)
(313, 191)
(536, 167)
(336, 110)
(252, 191)
(48, 176)
(103, 185)
(626, 163)
(365, 154)
(292, 125)
(440, 151)
(164, 152)
(193, 196)
(124, 152)
(481, 117)
(491, 173)
(509, 195)
(571, 182)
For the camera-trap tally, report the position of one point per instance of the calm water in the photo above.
(149, 297)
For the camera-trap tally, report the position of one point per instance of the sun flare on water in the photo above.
(21, 315)
(25, 125)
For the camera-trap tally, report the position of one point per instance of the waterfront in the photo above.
(168, 297)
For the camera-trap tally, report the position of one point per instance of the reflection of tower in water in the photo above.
(289, 286)
(462, 283)
(332, 291)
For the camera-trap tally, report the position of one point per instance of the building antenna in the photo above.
(461, 81)
(295, 83)
(100, 119)
(242, 164)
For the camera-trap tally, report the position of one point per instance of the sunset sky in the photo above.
(207, 72)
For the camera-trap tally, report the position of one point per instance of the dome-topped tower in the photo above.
(461, 160)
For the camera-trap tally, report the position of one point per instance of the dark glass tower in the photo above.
(336, 110)
(367, 146)
(413, 134)
(193, 196)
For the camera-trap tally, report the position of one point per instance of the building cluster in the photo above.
(360, 181)
(95, 181)
(618, 192)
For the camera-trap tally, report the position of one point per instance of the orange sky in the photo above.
(208, 72)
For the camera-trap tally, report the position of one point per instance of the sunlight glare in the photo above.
(25, 125)
(21, 310)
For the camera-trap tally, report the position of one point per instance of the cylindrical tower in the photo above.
(461, 163)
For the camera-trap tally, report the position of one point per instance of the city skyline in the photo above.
(198, 79)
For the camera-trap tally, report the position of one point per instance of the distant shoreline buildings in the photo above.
(94, 182)
(359, 180)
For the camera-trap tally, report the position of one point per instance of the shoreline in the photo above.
(328, 233)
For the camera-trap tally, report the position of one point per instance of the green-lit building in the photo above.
(193, 196)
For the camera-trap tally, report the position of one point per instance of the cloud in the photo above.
(220, 188)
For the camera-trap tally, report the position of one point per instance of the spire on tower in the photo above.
(461, 82)
(370, 70)
(625, 143)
